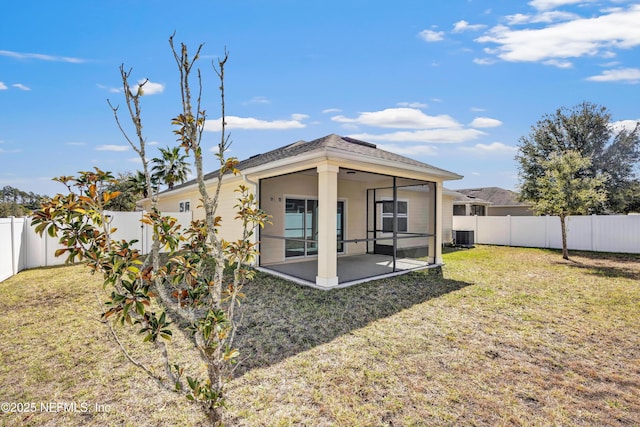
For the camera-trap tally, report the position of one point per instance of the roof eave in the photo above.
(337, 154)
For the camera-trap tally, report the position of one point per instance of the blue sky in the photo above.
(454, 84)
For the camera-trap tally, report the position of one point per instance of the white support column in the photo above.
(327, 205)
(438, 230)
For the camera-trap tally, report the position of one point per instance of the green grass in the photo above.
(508, 336)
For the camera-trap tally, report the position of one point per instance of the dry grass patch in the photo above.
(507, 337)
(53, 349)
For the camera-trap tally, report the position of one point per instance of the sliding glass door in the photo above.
(301, 227)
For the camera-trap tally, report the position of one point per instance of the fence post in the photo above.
(13, 246)
(509, 229)
(593, 232)
(143, 230)
(25, 242)
(476, 231)
(45, 236)
(547, 239)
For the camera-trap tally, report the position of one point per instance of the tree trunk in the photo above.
(563, 225)
(214, 415)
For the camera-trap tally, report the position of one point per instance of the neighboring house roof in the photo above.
(496, 196)
(331, 143)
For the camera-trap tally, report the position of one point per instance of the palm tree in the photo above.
(138, 183)
(172, 167)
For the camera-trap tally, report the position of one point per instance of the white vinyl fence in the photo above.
(21, 247)
(598, 233)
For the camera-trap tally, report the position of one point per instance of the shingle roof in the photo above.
(333, 141)
(495, 195)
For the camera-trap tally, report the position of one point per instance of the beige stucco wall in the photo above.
(274, 192)
(447, 218)
(231, 229)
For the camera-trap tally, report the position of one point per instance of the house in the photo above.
(489, 201)
(343, 211)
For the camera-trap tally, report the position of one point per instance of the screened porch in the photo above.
(380, 225)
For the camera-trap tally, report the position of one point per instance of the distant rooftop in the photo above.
(495, 195)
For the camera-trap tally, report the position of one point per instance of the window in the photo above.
(459, 210)
(477, 210)
(387, 216)
(185, 206)
(301, 227)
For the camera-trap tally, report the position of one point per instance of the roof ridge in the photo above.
(333, 141)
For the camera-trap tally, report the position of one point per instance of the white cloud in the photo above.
(234, 122)
(461, 26)
(433, 136)
(2, 150)
(149, 88)
(40, 56)
(493, 148)
(518, 18)
(152, 143)
(484, 61)
(21, 86)
(618, 29)
(3, 86)
(258, 100)
(558, 63)
(485, 122)
(625, 75)
(432, 36)
(628, 125)
(412, 150)
(136, 159)
(112, 148)
(299, 117)
(331, 110)
(610, 64)
(110, 89)
(544, 17)
(552, 4)
(477, 109)
(407, 118)
(412, 104)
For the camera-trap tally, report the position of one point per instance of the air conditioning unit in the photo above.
(464, 238)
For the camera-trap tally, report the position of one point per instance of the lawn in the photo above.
(508, 336)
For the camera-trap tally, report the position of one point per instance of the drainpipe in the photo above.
(256, 230)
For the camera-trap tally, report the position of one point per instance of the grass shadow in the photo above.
(282, 318)
(452, 249)
(604, 264)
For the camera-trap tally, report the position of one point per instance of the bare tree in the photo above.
(190, 286)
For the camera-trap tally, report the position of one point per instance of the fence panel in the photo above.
(493, 229)
(465, 223)
(6, 248)
(21, 247)
(599, 233)
(529, 231)
(579, 233)
(619, 233)
(127, 226)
